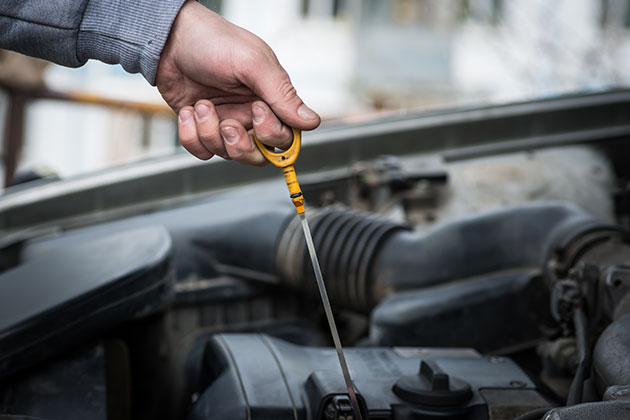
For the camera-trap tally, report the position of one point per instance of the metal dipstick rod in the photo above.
(285, 160)
(329, 316)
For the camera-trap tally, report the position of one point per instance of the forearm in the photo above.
(70, 32)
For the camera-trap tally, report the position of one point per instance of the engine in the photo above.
(482, 286)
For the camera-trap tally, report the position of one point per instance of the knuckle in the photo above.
(264, 135)
(236, 154)
(253, 158)
(203, 155)
(195, 149)
(278, 137)
(207, 137)
(287, 90)
(187, 142)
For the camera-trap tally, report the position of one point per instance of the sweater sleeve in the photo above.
(70, 32)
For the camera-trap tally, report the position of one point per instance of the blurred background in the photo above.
(350, 60)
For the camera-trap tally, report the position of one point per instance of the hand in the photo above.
(223, 81)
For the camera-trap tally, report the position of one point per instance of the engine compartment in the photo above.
(489, 283)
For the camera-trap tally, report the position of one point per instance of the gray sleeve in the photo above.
(70, 32)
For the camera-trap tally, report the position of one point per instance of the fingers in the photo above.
(239, 145)
(267, 79)
(239, 112)
(207, 126)
(188, 134)
(198, 129)
(204, 135)
(268, 127)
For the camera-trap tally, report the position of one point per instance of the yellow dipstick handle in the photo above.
(285, 160)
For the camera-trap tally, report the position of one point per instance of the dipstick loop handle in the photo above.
(285, 160)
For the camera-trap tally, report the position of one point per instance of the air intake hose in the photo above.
(365, 258)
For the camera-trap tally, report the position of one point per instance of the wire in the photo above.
(584, 361)
(584, 357)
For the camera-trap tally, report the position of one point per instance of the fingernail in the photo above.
(185, 115)
(306, 113)
(202, 112)
(229, 134)
(259, 114)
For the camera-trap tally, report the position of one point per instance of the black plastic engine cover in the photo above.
(253, 376)
(71, 294)
(487, 313)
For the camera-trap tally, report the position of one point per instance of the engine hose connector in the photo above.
(346, 241)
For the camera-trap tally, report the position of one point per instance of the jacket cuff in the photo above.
(129, 33)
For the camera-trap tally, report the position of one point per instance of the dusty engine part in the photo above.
(498, 259)
(348, 241)
(608, 410)
(81, 372)
(578, 174)
(617, 392)
(525, 276)
(366, 259)
(424, 191)
(611, 365)
(588, 290)
(253, 376)
(481, 312)
(380, 185)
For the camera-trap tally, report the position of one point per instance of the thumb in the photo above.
(272, 84)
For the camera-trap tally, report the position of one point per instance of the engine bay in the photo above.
(489, 280)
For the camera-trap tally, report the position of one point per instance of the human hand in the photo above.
(224, 82)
